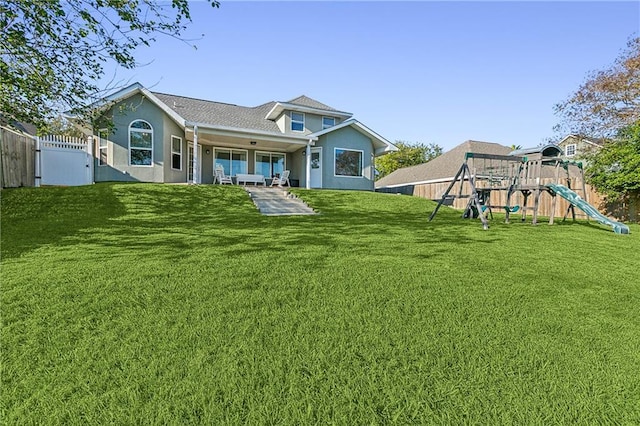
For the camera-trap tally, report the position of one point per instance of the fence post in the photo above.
(38, 171)
(90, 158)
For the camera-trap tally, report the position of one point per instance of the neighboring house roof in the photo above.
(26, 128)
(441, 168)
(587, 139)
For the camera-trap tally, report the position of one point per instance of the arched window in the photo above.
(140, 143)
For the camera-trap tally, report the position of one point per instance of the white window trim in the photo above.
(566, 150)
(328, 127)
(270, 153)
(348, 149)
(231, 151)
(297, 121)
(140, 149)
(175, 152)
(105, 147)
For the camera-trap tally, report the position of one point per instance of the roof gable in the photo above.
(310, 103)
(381, 145)
(442, 167)
(578, 138)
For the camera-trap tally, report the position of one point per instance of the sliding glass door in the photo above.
(270, 164)
(233, 161)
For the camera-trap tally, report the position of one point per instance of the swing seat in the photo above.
(513, 209)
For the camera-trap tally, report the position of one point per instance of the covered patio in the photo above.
(241, 153)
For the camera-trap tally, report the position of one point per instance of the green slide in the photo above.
(573, 198)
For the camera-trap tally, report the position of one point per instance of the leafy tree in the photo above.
(52, 53)
(407, 155)
(615, 169)
(608, 101)
(515, 147)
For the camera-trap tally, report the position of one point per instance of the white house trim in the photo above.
(132, 90)
(249, 134)
(308, 164)
(196, 169)
(335, 174)
(380, 144)
(280, 107)
(150, 131)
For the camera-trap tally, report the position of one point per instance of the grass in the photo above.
(160, 304)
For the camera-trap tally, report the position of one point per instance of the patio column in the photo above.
(308, 155)
(195, 154)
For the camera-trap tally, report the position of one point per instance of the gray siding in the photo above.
(298, 166)
(170, 174)
(347, 138)
(118, 168)
(312, 122)
(582, 147)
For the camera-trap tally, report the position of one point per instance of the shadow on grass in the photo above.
(169, 221)
(36, 217)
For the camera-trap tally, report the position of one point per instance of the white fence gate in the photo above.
(64, 161)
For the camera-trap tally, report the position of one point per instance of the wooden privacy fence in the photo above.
(17, 159)
(434, 191)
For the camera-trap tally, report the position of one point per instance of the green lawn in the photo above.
(162, 304)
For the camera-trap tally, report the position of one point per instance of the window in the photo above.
(570, 150)
(297, 121)
(176, 153)
(328, 122)
(103, 141)
(269, 164)
(140, 143)
(233, 161)
(348, 162)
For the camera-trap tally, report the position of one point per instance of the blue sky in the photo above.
(429, 72)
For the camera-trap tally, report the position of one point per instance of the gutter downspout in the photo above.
(195, 155)
(308, 155)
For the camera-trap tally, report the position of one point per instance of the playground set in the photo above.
(489, 177)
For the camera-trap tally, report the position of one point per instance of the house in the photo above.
(576, 146)
(430, 179)
(159, 137)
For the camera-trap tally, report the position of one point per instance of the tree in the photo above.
(407, 155)
(608, 101)
(52, 53)
(515, 147)
(614, 170)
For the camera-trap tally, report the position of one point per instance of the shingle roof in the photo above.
(311, 103)
(444, 166)
(230, 115)
(221, 114)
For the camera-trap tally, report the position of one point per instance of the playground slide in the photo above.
(576, 200)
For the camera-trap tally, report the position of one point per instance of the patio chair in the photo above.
(221, 177)
(282, 180)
